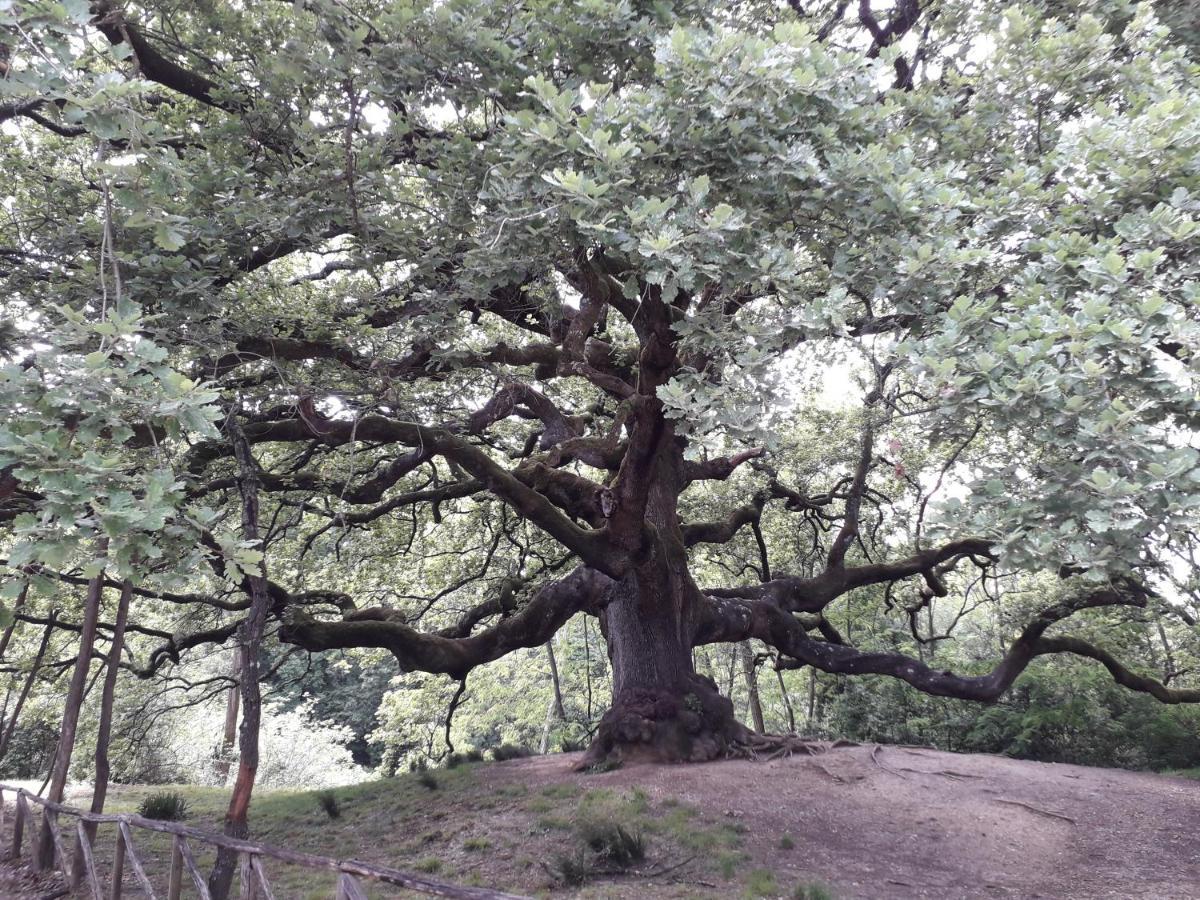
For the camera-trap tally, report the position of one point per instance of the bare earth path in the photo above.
(908, 823)
(885, 823)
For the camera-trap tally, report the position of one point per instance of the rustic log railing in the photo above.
(80, 869)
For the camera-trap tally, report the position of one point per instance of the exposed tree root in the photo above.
(875, 759)
(1034, 809)
(770, 747)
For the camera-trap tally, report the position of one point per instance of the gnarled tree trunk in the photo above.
(662, 709)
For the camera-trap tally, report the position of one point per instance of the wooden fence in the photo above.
(79, 869)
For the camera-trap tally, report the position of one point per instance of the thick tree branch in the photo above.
(533, 625)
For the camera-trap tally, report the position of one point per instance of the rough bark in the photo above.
(72, 706)
(250, 639)
(662, 710)
(104, 728)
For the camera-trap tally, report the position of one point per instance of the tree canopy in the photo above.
(436, 325)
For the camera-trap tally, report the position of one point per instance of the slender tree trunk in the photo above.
(70, 720)
(555, 709)
(11, 724)
(787, 702)
(1169, 668)
(104, 729)
(229, 735)
(812, 699)
(250, 638)
(752, 698)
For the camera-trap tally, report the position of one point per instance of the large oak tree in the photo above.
(576, 272)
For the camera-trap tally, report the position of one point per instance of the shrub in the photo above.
(474, 755)
(328, 801)
(428, 779)
(510, 751)
(166, 806)
(786, 842)
(571, 869)
(613, 842)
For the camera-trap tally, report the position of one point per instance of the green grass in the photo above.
(811, 891)
(761, 883)
(401, 823)
(1193, 772)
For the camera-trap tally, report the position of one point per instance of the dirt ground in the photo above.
(862, 821)
(901, 823)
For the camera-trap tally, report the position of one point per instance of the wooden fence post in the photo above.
(118, 869)
(263, 886)
(349, 889)
(175, 885)
(18, 826)
(57, 853)
(85, 863)
(246, 877)
(189, 862)
(135, 863)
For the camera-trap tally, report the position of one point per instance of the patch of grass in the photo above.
(761, 883)
(562, 791)
(328, 802)
(475, 844)
(639, 800)
(429, 865)
(427, 779)
(811, 891)
(728, 864)
(786, 842)
(166, 806)
(612, 842)
(1193, 772)
(554, 823)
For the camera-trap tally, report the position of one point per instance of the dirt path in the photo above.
(913, 823)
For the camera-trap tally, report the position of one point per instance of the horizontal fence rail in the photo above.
(79, 868)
